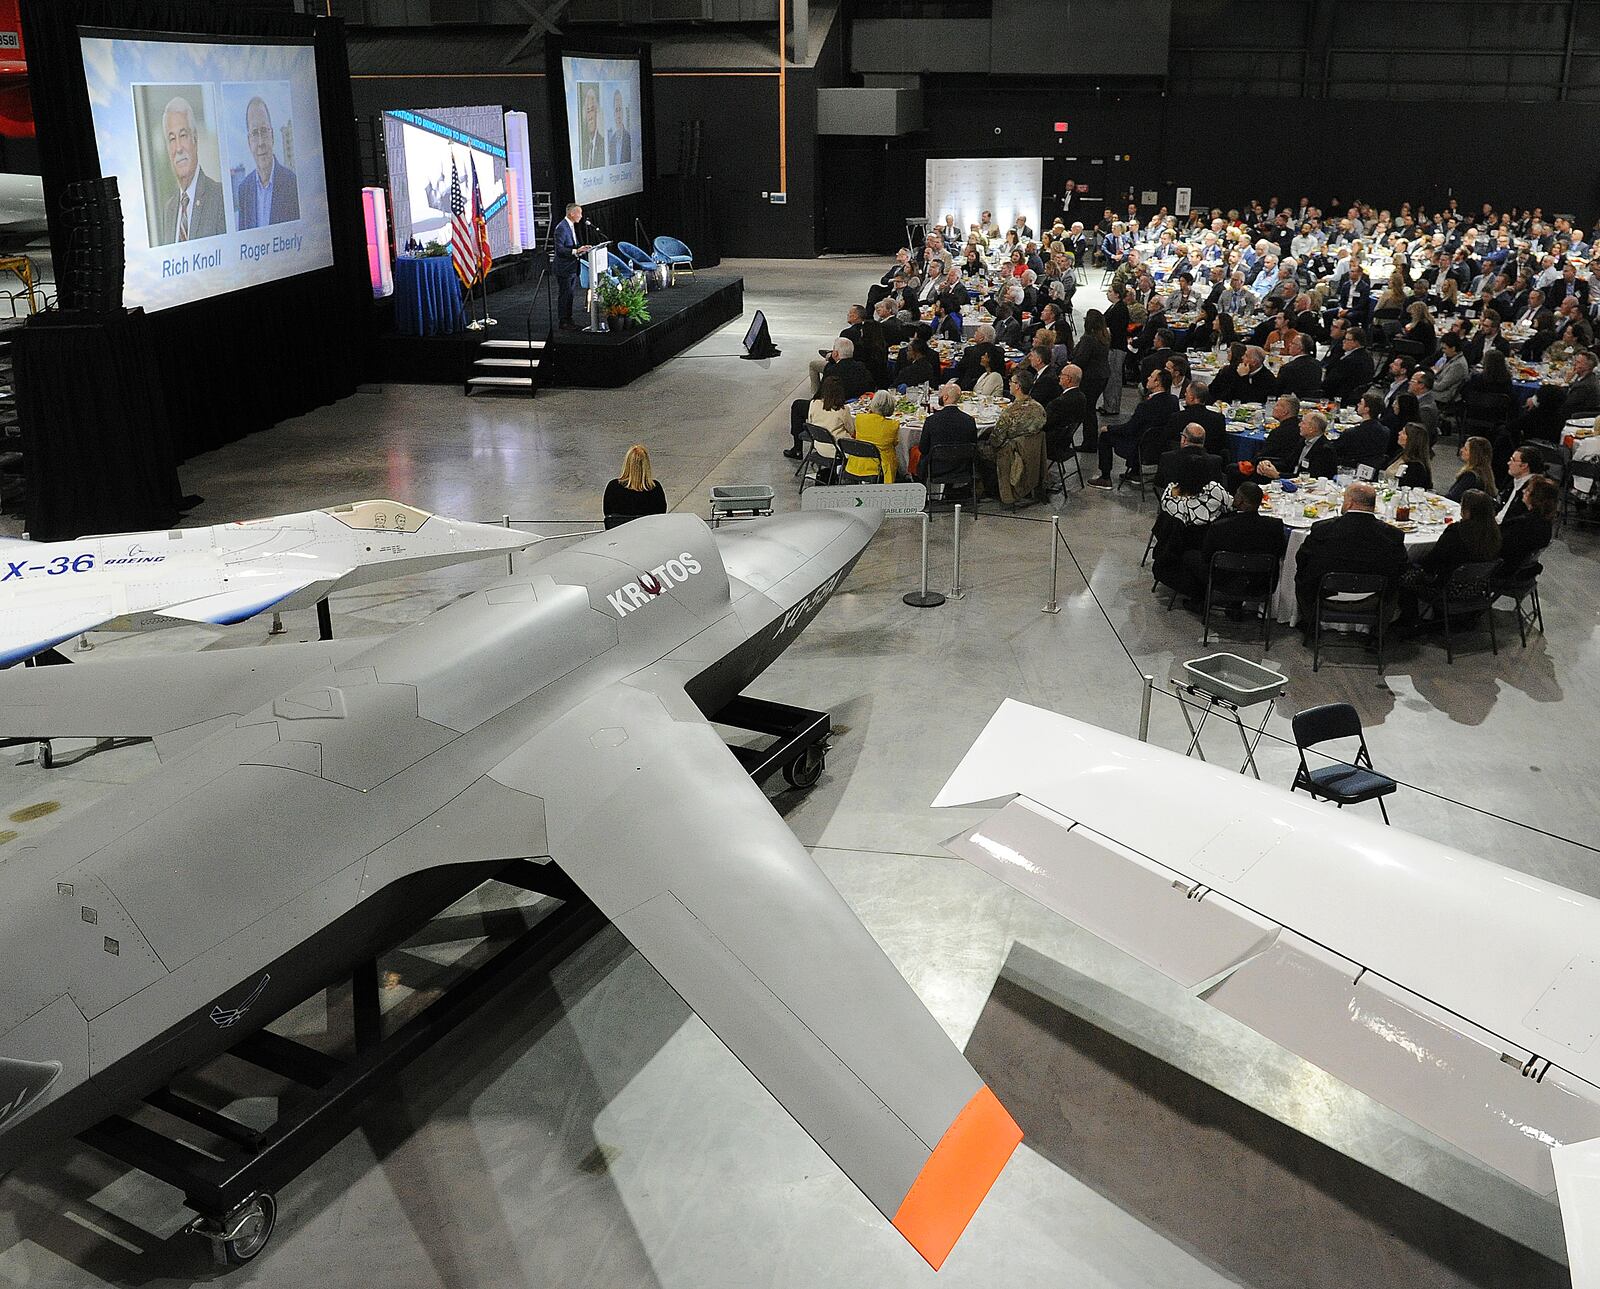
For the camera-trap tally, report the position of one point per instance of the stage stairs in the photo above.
(505, 363)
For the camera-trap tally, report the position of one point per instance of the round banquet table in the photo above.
(1327, 495)
(427, 296)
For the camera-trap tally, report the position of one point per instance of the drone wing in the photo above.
(652, 816)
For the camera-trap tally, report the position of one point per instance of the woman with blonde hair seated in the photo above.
(878, 427)
(1413, 467)
(635, 491)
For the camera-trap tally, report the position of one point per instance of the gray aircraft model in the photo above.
(315, 797)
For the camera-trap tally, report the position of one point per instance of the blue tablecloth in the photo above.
(427, 296)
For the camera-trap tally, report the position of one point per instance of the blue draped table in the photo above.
(427, 296)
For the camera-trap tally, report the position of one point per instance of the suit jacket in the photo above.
(1282, 446)
(1583, 397)
(1451, 380)
(619, 146)
(1349, 376)
(1117, 325)
(566, 248)
(207, 219)
(1513, 494)
(1364, 444)
(1355, 542)
(946, 426)
(1321, 460)
(592, 151)
(1245, 532)
(285, 199)
(1522, 536)
(1194, 464)
(852, 374)
(1063, 415)
(1213, 422)
(1301, 376)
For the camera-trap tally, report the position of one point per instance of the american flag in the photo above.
(463, 236)
(480, 226)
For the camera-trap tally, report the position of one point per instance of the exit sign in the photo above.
(1061, 127)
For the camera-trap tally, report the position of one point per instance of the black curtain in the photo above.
(240, 362)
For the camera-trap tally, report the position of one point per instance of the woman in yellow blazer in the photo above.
(878, 427)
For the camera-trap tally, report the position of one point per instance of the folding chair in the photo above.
(1345, 783)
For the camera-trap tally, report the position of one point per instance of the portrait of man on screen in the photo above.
(619, 139)
(268, 192)
(196, 207)
(591, 124)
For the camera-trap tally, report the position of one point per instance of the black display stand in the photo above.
(231, 1183)
(96, 439)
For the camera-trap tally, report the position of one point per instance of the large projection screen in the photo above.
(604, 131)
(216, 146)
(423, 144)
(967, 186)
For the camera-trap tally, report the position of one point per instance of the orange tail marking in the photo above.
(959, 1173)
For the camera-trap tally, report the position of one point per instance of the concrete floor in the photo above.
(620, 1144)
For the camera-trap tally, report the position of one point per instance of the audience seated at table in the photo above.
(1153, 413)
(1477, 469)
(1355, 542)
(1065, 413)
(1352, 371)
(971, 364)
(1450, 372)
(1188, 506)
(1011, 456)
(829, 411)
(1301, 374)
(1276, 455)
(876, 425)
(850, 371)
(1190, 455)
(919, 365)
(1196, 408)
(1412, 468)
(1546, 412)
(948, 427)
(1313, 455)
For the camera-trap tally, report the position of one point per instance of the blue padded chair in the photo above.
(673, 253)
(639, 258)
(615, 264)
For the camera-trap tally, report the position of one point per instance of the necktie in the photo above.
(183, 217)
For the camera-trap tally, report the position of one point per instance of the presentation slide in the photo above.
(217, 152)
(603, 127)
(426, 146)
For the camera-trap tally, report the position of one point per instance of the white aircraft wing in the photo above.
(652, 816)
(252, 591)
(1459, 992)
(32, 628)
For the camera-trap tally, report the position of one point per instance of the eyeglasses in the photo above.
(261, 132)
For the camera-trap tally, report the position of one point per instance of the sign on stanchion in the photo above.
(896, 501)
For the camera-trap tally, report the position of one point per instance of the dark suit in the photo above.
(1260, 386)
(1355, 542)
(1213, 422)
(1301, 376)
(1364, 444)
(1062, 416)
(970, 367)
(285, 199)
(1244, 532)
(1349, 376)
(1320, 460)
(852, 374)
(1522, 536)
(207, 219)
(1282, 446)
(567, 261)
(949, 425)
(1153, 413)
(1186, 464)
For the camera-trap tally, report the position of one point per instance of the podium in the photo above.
(599, 259)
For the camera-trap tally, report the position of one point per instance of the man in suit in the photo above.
(270, 193)
(1153, 413)
(568, 255)
(592, 140)
(894, 332)
(1450, 371)
(1189, 460)
(619, 139)
(196, 210)
(851, 371)
(1194, 411)
(1356, 542)
(1569, 283)
(1526, 463)
(1366, 443)
(1245, 532)
(1301, 375)
(1047, 379)
(1316, 456)
(1421, 387)
(970, 366)
(1065, 413)
(1351, 373)
(946, 428)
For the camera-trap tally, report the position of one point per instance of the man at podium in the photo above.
(568, 255)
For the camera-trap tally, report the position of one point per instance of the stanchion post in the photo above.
(924, 599)
(1144, 709)
(511, 556)
(1050, 605)
(955, 560)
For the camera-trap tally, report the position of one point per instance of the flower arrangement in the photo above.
(623, 300)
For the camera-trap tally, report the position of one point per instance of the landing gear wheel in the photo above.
(240, 1236)
(44, 755)
(804, 772)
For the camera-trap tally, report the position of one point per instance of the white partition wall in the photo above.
(521, 193)
(967, 186)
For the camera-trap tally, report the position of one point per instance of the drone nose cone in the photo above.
(22, 1083)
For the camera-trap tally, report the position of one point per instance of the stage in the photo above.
(680, 315)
